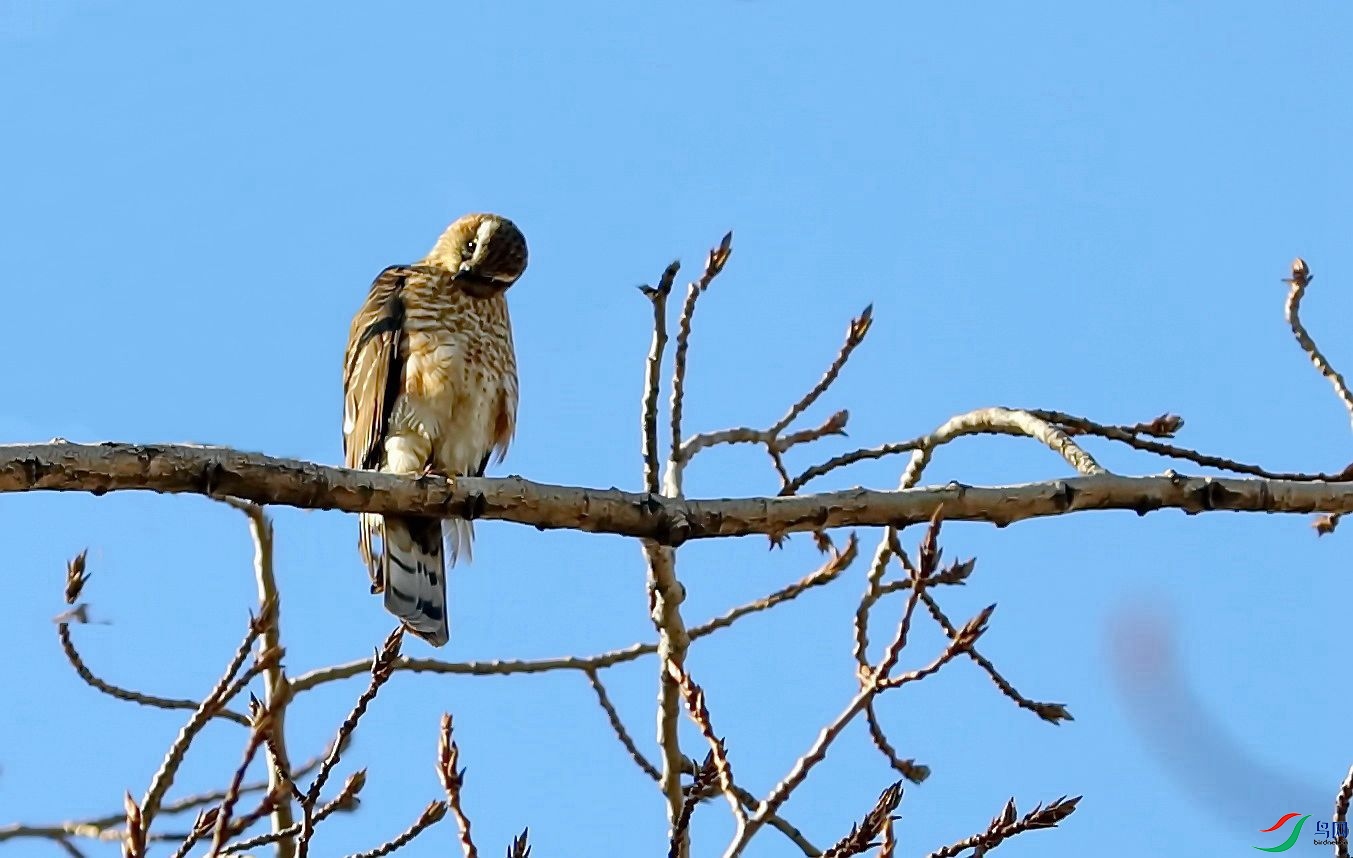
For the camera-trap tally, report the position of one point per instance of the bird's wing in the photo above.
(506, 423)
(505, 412)
(373, 368)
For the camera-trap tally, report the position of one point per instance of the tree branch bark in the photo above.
(220, 471)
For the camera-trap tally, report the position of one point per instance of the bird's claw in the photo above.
(433, 471)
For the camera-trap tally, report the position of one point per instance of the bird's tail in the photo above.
(414, 571)
(460, 536)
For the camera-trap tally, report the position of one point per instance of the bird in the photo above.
(430, 387)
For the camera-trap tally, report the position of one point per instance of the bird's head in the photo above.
(486, 253)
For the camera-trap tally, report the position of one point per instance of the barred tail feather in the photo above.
(460, 537)
(414, 570)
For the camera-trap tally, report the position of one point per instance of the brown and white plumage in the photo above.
(430, 384)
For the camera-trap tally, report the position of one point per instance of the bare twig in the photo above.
(110, 826)
(833, 425)
(1300, 279)
(919, 577)
(704, 778)
(134, 840)
(963, 641)
(825, 574)
(204, 825)
(69, 848)
(520, 847)
(1053, 713)
(887, 844)
(983, 421)
(453, 781)
(618, 726)
(855, 333)
(213, 702)
(432, 814)
(747, 800)
(653, 374)
(714, 263)
(861, 837)
(1005, 826)
(345, 800)
(83, 671)
(888, 544)
(1164, 426)
(277, 693)
(877, 683)
(694, 697)
(909, 769)
(665, 592)
(76, 577)
(257, 738)
(382, 668)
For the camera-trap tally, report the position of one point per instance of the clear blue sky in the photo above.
(1048, 206)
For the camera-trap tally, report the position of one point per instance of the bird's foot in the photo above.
(433, 471)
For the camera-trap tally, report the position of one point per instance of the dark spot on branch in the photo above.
(33, 470)
(475, 504)
(1145, 505)
(1063, 496)
(1214, 495)
(211, 477)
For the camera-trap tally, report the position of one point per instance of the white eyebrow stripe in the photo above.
(485, 231)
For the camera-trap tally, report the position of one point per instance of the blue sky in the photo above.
(1051, 206)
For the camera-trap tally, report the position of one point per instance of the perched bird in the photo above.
(430, 386)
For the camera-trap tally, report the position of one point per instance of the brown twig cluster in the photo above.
(662, 518)
(219, 823)
(1005, 825)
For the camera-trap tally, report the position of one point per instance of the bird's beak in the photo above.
(477, 285)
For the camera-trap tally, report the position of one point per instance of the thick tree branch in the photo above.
(219, 471)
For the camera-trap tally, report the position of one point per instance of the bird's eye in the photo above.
(468, 251)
